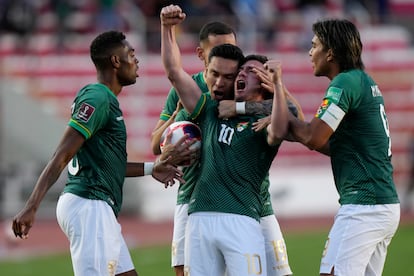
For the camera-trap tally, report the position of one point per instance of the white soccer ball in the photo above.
(179, 129)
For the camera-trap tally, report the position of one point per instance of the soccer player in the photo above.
(351, 127)
(213, 34)
(228, 195)
(94, 145)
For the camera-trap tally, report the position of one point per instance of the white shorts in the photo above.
(358, 240)
(219, 242)
(96, 243)
(177, 247)
(276, 253)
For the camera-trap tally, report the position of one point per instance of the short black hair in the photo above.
(262, 59)
(227, 51)
(215, 28)
(103, 46)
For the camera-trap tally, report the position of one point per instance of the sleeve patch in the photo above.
(334, 93)
(85, 112)
(332, 115)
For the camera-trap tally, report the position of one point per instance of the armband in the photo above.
(241, 108)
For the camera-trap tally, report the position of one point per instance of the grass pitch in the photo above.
(304, 251)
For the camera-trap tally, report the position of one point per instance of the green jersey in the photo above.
(190, 173)
(98, 169)
(267, 208)
(234, 163)
(360, 146)
(172, 98)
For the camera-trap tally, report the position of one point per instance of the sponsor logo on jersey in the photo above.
(85, 112)
(242, 126)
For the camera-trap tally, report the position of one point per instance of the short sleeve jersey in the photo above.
(361, 145)
(191, 176)
(172, 98)
(190, 173)
(234, 162)
(98, 169)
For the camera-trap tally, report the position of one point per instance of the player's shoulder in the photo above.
(198, 76)
(351, 77)
(201, 81)
(94, 88)
(95, 93)
(349, 82)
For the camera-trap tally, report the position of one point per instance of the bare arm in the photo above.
(315, 134)
(227, 108)
(161, 170)
(157, 133)
(70, 143)
(295, 103)
(159, 130)
(185, 86)
(278, 127)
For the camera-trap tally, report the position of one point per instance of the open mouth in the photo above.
(218, 94)
(240, 84)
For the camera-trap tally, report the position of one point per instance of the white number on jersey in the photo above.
(386, 127)
(226, 134)
(73, 166)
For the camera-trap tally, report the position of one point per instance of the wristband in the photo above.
(148, 166)
(241, 108)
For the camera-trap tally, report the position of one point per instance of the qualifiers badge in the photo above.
(85, 112)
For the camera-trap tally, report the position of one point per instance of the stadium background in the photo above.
(43, 65)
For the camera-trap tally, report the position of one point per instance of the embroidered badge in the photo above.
(85, 112)
(242, 126)
(324, 105)
(334, 93)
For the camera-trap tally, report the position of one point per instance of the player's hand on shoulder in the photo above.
(171, 15)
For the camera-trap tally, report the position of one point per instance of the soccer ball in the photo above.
(179, 129)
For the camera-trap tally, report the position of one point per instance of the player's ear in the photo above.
(199, 52)
(330, 55)
(201, 56)
(115, 61)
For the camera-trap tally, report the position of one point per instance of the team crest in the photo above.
(242, 126)
(85, 112)
(324, 105)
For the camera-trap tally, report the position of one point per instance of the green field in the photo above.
(304, 255)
